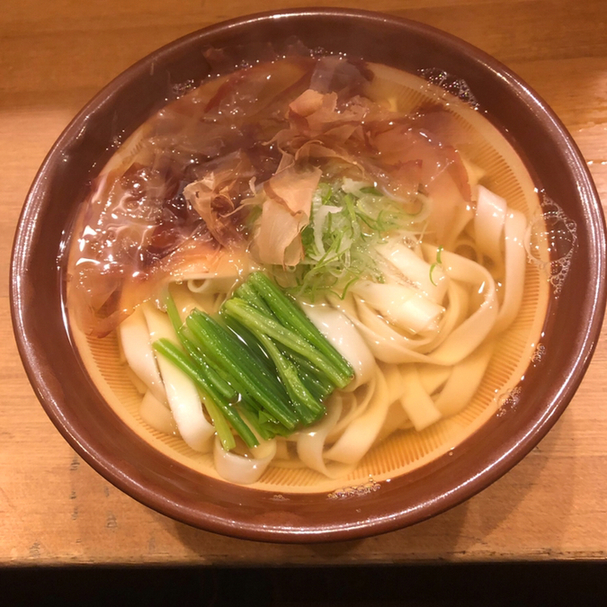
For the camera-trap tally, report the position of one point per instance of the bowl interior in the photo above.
(74, 401)
(404, 450)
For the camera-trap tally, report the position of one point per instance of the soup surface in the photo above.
(394, 214)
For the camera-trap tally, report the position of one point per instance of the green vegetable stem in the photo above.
(261, 366)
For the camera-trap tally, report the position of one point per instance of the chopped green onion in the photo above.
(347, 220)
(249, 340)
(261, 358)
(437, 263)
(173, 313)
(259, 323)
(212, 374)
(307, 406)
(291, 315)
(228, 353)
(226, 438)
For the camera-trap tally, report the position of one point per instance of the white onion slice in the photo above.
(181, 392)
(432, 281)
(135, 342)
(405, 306)
(346, 339)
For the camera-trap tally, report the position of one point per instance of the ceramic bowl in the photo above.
(71, 397)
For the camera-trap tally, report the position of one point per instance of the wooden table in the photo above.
(54, 509)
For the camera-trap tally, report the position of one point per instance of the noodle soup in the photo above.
(394, 215)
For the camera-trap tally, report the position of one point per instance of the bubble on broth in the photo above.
(182, 88)
(364, 489)
(538, 354)
(552, 231)
(455, 86)
(508, 401)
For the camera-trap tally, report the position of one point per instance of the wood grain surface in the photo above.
(54, 509)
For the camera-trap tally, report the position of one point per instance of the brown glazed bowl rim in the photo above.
(74, 405)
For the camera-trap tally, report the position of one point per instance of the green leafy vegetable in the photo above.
(261, 365)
